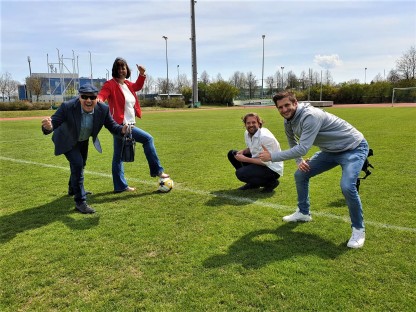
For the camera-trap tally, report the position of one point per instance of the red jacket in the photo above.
(112, 92)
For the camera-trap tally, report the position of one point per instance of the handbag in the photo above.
(128, 146)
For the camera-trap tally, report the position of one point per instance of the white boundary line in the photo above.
(219, 195)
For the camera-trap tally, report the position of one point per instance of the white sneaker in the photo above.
(357, 238)
(297, 216)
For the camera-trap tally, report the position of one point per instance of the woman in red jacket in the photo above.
(124, 107)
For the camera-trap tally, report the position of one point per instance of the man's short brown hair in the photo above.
(284, 94)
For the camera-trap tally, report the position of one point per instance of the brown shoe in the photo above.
(163, 175)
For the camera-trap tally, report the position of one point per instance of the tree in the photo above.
(238, 80)
(251, 84)
(148, 84)
(221, 92)
(270, 84)
(204, 77)
(406, 65)
(183, 82)
(292, 80)
(34, 86)
(393, 76)
(378, 78)
(3, 84)
(163, 86)
(219, 77)
(186, 91)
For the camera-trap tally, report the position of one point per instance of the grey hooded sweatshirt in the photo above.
(313, 126)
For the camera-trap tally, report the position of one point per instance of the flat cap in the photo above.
(87, 88)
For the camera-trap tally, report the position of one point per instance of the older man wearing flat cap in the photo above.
(72, 124)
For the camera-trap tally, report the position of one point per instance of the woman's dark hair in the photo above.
(118, 63)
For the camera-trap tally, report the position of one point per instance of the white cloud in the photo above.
(327, 61)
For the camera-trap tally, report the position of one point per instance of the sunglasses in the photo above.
(86, 97)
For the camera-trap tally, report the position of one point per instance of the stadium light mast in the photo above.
(167, 67)
(262, 68)
(90, 66)
(30, 76)
(282, 67)
(179, 85)
(365, 75)
(194, 64)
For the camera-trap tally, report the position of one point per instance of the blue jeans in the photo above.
(351, 162)
(140, 136)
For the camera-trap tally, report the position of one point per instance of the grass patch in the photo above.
(205, 246)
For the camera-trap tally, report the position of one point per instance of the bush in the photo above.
(171, 103)
(25, 105)
(148, 103)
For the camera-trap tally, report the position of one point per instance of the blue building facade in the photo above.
(57, 87)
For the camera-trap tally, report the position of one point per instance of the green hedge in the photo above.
(24, 105)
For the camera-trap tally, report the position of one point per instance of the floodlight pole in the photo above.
(262, 68)
(90, 66)
(194, 63)
(179, 85)
(365, 75)
(167, 67)
(282, 67)
(30, 76)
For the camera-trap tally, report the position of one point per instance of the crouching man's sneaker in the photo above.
(84, 208)
(357, 238)
(297, 217)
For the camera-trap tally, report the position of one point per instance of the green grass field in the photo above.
(205, 246)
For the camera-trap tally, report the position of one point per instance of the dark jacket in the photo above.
(66, 124)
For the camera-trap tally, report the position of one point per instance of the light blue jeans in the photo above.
(351, 163)
(140, 136)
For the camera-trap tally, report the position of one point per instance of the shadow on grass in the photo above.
(236, 197)
(109, 196)
(339, 203)
(60, 209)
(258, 248)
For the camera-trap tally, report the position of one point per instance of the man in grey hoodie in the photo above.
(340, 144)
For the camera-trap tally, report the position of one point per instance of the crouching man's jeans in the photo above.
(351, 162)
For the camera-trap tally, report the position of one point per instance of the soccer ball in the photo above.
(165, 185)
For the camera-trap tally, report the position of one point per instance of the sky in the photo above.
(344, 37)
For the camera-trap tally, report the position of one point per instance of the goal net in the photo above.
(403, 95)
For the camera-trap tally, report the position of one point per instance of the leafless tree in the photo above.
(270, 83)
(148, 84)
(218, 78)
(204, 78)
(406, 65)
(238, 80)
(251, 83)
(378, 78)
(393, 76)
(3, 83)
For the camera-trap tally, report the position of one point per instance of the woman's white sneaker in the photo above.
(297, 217)
(357, 238)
